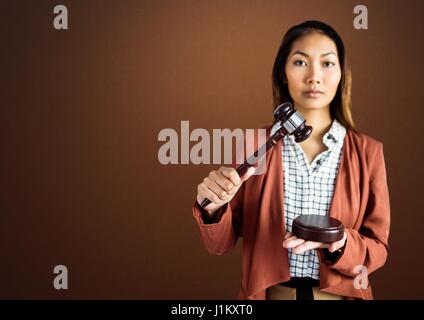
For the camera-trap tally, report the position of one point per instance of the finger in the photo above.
(338, 244)
(292, 237)
(231, 174)
(211, 207)
(206, 192)
(334, 246)
(293, 243)
(216, 189)
(222, 183)
(288, 235)
(248, 174)
(308, 245)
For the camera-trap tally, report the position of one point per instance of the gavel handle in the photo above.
(242, 169)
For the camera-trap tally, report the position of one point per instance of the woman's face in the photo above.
(313, 71)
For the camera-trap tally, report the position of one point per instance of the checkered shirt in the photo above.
(308, 189)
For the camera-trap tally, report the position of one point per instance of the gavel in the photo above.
(288, 121)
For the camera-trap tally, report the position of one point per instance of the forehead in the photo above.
(314, 43)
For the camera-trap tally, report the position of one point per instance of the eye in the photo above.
(328, 64)
(299, 63)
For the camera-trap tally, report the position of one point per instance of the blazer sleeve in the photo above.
(221, 236)
(368, 246)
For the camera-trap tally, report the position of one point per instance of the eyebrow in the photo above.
(306, 55)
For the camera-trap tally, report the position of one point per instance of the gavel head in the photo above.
(292, 122)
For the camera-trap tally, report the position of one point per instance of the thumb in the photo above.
(248, 174)
(334, 246)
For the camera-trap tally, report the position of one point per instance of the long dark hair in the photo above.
(340, 106)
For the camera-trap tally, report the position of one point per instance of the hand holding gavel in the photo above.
(221, 185)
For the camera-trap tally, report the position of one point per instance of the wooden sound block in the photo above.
(313, 227)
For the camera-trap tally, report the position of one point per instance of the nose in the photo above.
(314, 75)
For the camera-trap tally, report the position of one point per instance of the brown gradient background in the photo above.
(81, 184)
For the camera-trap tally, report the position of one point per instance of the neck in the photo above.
(319, 119)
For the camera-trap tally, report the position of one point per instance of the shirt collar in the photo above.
(335, 135)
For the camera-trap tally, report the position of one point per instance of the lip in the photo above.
(313, 93)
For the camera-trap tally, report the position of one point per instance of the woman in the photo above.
(337, 171)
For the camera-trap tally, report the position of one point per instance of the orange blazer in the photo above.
(360, 202)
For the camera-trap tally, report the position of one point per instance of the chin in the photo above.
(311, 104)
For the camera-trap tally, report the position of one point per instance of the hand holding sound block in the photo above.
(313, 227)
